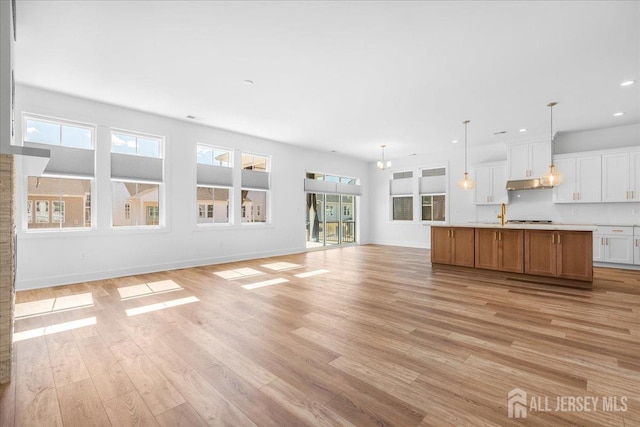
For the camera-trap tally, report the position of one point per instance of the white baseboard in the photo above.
(50, 281)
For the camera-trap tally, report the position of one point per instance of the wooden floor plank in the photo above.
(80, 405)
(380, 338)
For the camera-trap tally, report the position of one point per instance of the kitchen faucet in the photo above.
(503, 212)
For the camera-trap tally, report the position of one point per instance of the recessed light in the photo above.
(500, 132)
(627, 83)
(455, 141)
(248, 82)
(523, 130)
(414, 154)
(621, 113)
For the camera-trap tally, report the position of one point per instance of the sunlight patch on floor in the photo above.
(238, 273)
(160, 306)
(52, 305)
(280, 266)
(265, 283)
(311, 273)
(53, 329)
(135, 291)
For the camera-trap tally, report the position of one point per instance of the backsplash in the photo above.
(538, 205)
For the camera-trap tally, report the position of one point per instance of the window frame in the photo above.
(61, 122)
(267, 213)
(161, 142)
(425, 193)
(59, 229)
(254, 155)
(138, 227)
(402, 196)
(206, 210)
(433, 221)
(215, 147)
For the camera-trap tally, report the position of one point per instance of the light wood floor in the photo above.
(379, 338)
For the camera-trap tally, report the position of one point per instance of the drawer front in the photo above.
(616, 231)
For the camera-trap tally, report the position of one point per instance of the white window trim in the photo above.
(161, 203)
(394, 196)
(44, 231)
(446, 209)
(57, 121)
(138, 134)
(205, 225)
(216, 147)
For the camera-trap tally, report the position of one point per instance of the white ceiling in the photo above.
(345, 76)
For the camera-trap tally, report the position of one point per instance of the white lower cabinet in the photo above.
(614, 244)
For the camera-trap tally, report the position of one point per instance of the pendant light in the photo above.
(465, 183)
(382, 165)
(552, 178)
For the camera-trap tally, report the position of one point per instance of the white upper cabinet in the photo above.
(491, 184)
(621, 177)
(529, 160)
(581, 179)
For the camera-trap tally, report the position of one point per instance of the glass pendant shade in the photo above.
(552, 178)
(466, 183)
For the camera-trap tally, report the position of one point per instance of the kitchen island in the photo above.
(559, 254)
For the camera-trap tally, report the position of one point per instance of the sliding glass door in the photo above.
(330, 219)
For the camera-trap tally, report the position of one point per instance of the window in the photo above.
(403, 175)
(40, 130)
(254, 162)
(135, 204)
(135, 145)
(402, 208)
(207, 155)
(433, 189)
(213, 205)
(254, 206)
(58, 202)
(433, 207)
(29, 211)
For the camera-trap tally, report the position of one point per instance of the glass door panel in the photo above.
(315, 219)
(347, 217)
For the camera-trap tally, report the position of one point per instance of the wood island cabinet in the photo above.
(501, 250)
(562, 254)
(554, 257)
(453, 246)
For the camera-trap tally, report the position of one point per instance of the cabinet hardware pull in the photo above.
(453, 234)
(626, 195)
(606, 241)
(495, 235)
(578, 196)
(553, 238)
(559, 239)
(637, 240)
(499, 236)
(632, 196)
(602, 240)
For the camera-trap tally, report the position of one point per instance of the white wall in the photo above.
(460, 207)
(597, 139)
(47, 259)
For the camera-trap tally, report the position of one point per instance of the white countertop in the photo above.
(557, 227)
